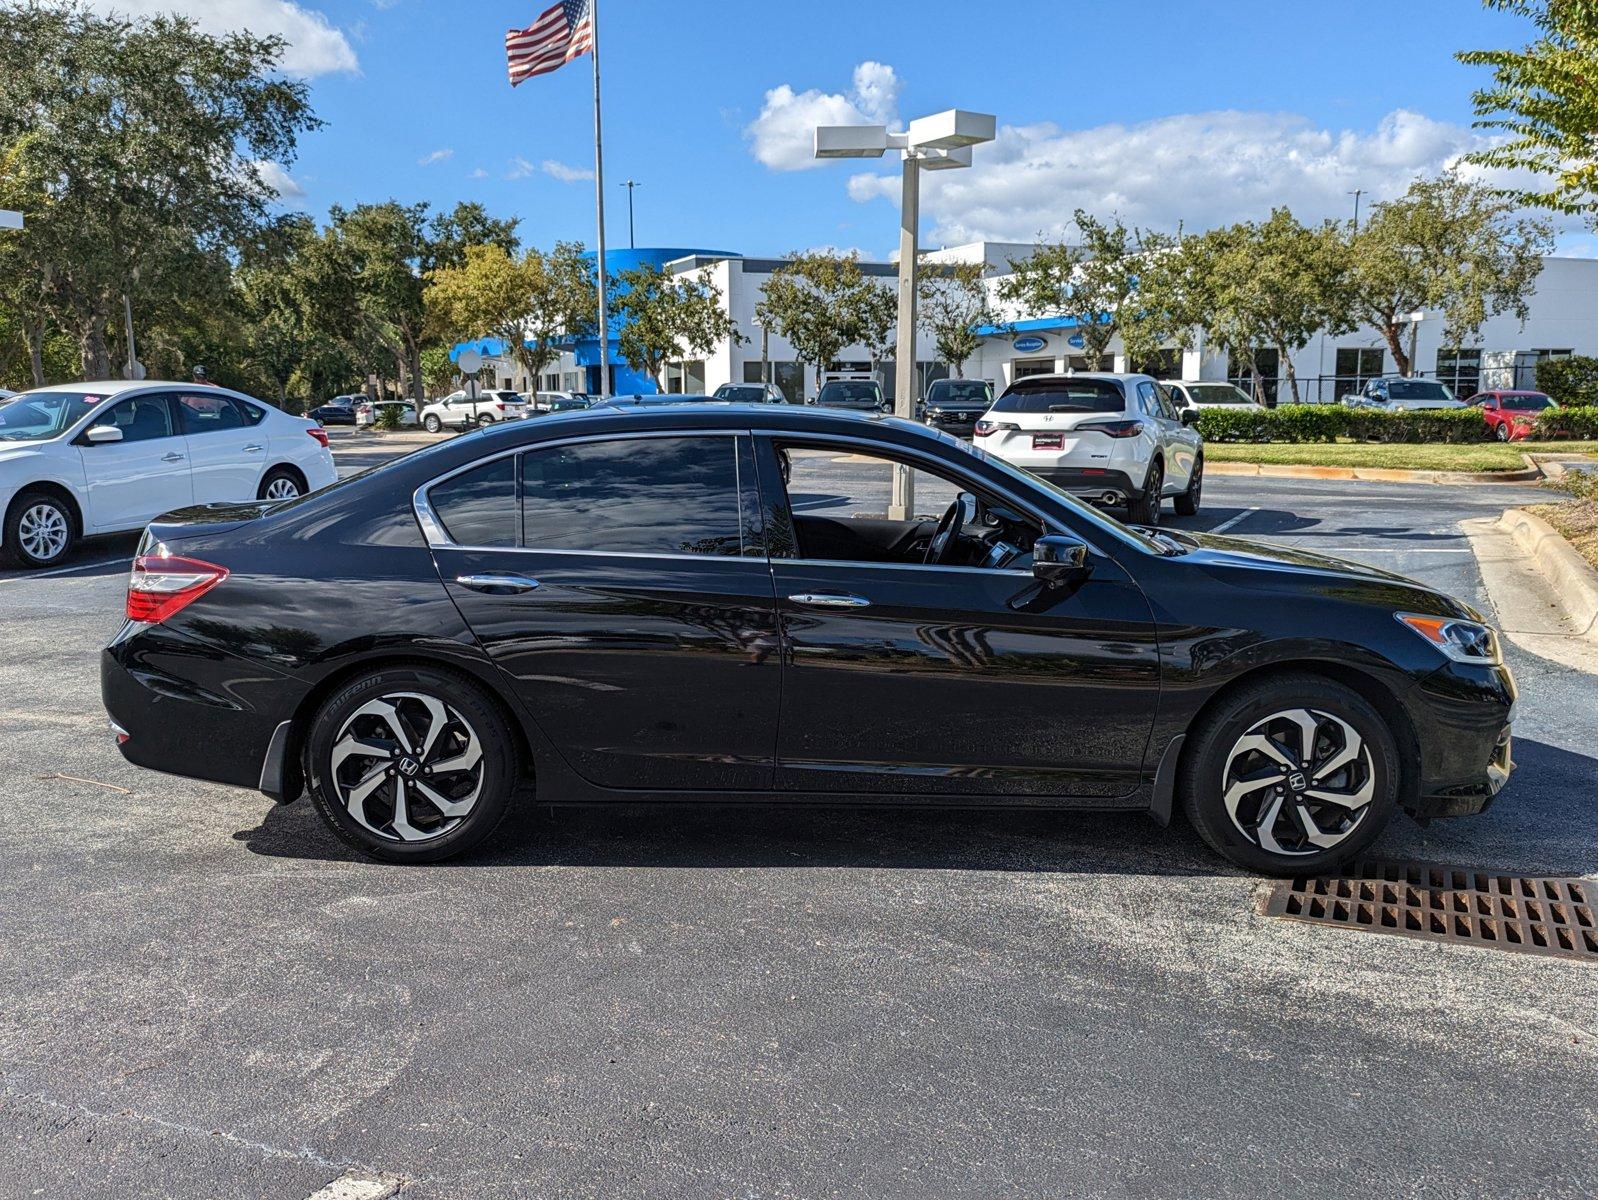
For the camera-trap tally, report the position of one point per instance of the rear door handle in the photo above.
(829, 600)
(171, 458)
(253, 449)
(497, 583)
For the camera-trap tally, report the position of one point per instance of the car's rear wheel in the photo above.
(484, 420)
(281, 484)
(1291, 776)
(411, 764)
(431, 423)
(1187, 504)
(40, 530)
(1145, 509)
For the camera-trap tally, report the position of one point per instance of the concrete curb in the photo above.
(1560, 563)
(1531, 474)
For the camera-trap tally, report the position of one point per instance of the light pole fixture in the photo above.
(941, 142)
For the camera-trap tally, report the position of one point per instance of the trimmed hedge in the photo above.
(1298, 423)
(1578, 422)
(1570, 381)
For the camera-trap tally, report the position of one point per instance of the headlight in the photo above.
(1461, 640)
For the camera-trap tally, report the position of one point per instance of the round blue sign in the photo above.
(1076, 341)
(1030, 344)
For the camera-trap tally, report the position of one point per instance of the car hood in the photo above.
(1208, 550)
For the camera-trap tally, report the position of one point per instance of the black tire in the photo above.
(431, 423)
(276, 483)
(1501, 431)
(484, 420)
(1187, 504)
(1145, 510)
(468, 703)
(1214, 737)
(41, 531)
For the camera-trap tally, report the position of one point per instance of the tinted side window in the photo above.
(675, 495)
(140, 419)
(478, 508)
(208, 412)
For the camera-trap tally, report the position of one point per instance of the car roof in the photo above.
(112, 387)
(1066, 376)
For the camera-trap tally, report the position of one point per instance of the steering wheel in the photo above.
(958, 515)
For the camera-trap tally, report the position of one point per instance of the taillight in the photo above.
(319, 434)
(1116, 429)
(501, 407)
(985, 427)
(162, 585)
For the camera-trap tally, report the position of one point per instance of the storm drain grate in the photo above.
(1449, 904)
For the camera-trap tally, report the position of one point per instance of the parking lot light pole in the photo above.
(940, 142)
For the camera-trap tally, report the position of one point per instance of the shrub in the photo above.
(1299, 423)
(1234, 425)
(1571, 381)
(1446, 425)
(1582, 484)
(388, 416)
(1579, 422)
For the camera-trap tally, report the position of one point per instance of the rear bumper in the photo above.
(1463, 717)
(1103, 485)
(185, 709)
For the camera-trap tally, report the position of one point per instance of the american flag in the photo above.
(560, 34)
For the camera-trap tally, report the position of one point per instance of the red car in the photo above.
(1512, 415)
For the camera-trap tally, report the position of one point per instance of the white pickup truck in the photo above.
(462, 412)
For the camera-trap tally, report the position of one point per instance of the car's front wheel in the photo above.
(1502, 431)
(39, 530)
(411, 764)
(1291, 775)
(431, 423)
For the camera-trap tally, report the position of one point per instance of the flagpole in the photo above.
(599, 203)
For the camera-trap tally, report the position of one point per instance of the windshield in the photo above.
(1418, 389)
(1535, 402)
(1218, 393)
(37, 416)
(834, 392)
(1062, 395)
(946, 391)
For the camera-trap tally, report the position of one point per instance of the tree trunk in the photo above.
(414, 364)
(96, 350)
(1292, 376)
(34, 331)
(1395, 342)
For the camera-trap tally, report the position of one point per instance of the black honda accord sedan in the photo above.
(648, 605)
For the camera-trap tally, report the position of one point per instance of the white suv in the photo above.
(462, 411)
(1112, 439)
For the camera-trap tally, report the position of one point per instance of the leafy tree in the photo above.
(876, 317)
(138, 142)
(813, 300)
(1544, 96)
(1095, 282)
(532, 302)
(370, 273)
(1272, 284)
(467, 224)
(438, 371)
(1572, 382)
(1445, 244)
(666, 316)
(954, 302)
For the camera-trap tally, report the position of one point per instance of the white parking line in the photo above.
(356, 1185)
(24, 577)
(1237, 520)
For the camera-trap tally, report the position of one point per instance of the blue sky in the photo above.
(1158, 110)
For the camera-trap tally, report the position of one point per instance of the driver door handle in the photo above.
(829, 600)
(497, 583)
(173, 457)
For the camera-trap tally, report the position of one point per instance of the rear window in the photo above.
(1418, 389)
(1062, 395)
(835, 392)
(478, 508)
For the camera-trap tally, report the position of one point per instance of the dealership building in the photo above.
(1563, 320)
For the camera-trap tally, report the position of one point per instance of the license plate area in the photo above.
(1048, 441)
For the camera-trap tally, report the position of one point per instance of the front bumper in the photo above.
(1463, 717)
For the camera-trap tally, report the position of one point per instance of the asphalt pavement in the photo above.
(203, 994)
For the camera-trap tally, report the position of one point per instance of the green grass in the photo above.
(1488, 456)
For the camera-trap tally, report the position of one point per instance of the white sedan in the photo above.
(84, 459)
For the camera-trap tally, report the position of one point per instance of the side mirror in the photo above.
(1058, 560)
(99, 435)
(1189, 416)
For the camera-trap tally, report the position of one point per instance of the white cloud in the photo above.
(783, 135)
(437, 156)
(478, 173)
(520, 168)
(315, 45)
(278, 179)
(559, 170)
(1196, 169)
